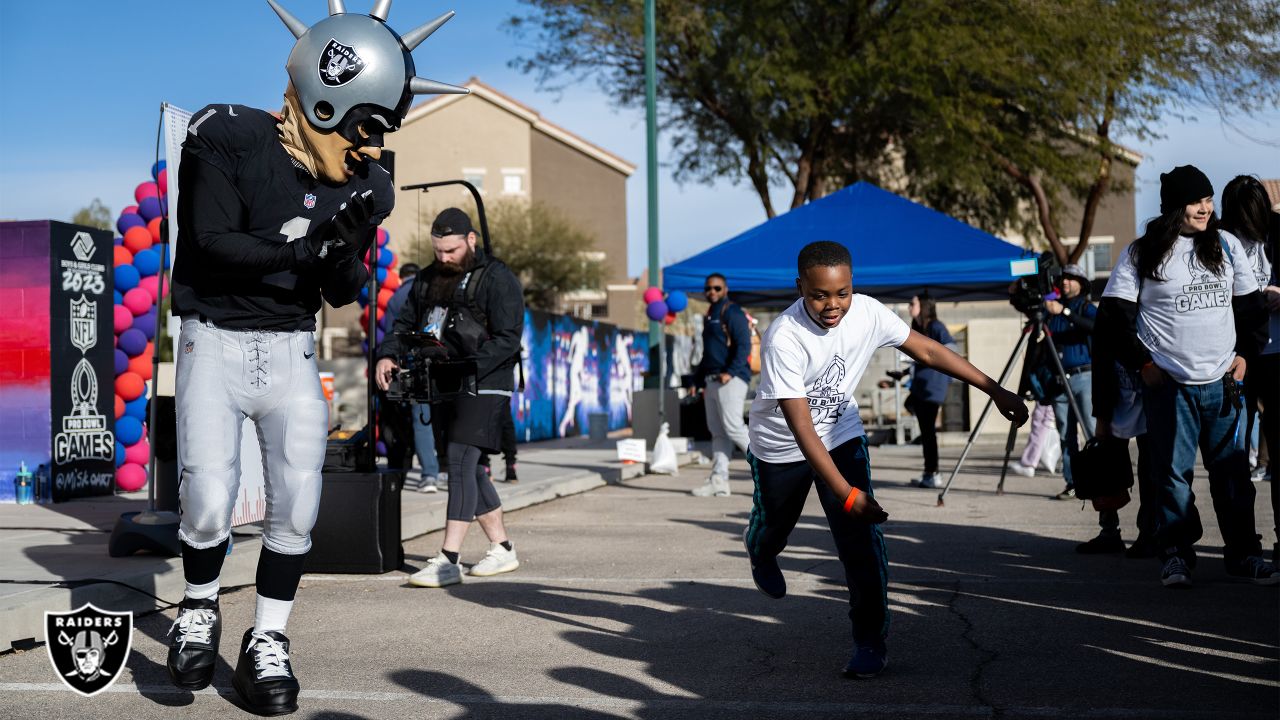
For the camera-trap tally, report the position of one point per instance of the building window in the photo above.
(475, 176)
(513, 181)
(1097, 256)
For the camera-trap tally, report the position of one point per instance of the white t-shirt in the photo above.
(1185, 321)
(1262, 272)
(800, 359)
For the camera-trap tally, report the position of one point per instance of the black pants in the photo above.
(781, 490)
(927, 415)
(1263, 385)
(1109, 520)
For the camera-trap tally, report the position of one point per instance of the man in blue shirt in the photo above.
(726, 350)
(1071, 324)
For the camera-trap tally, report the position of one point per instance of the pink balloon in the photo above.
(138, 301)
(152, 285)
(129, 209)
(121, 318)
(139, 452)
(652, 294)
(145, 190)
(130, 477)
(162, 181)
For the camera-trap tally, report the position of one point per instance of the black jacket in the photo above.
(501, 299)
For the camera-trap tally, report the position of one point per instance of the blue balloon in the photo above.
(133, 342)
(117, 298)
(137, 409)
(150, 208)
(382, 275)
(385, 256)
(121, 361)
(656, 311)
(146, 322)
(676, 300)
(118, 241)
(119, 449)
(155, 169)
(128, 431)
(126, 277)
(129, 220)
(363, 296)
(147, 262)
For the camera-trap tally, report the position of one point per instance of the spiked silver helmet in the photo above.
(350, 61)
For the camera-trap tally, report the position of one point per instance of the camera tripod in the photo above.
(1035, 327)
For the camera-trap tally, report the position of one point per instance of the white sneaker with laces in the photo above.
(495, 562)
(1024, 470)
(439, 572)
(429, 485)
(713, 487)
(932, 482)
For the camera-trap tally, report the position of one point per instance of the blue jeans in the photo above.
(1080, 385)
(1181, 418)
(424, 440)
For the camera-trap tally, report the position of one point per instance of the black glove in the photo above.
(350, 232)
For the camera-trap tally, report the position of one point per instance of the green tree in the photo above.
(979, 109)
(95, 215)
(549, 254)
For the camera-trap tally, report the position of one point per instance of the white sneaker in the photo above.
(1259, 474)
(439, 572)
(429, 485)
(932, 482)
(1024, 470)
(495, 562)
(713, 487)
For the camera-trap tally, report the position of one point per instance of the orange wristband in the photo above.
(853, 495)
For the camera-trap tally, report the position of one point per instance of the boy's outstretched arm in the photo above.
(927, 352)
(796, 412)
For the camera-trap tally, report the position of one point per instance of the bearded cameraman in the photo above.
(474, 305)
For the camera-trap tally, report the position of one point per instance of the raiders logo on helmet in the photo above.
(88, 647)
(339, 64)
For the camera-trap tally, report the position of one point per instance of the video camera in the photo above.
(1029, 292)
(427, 375)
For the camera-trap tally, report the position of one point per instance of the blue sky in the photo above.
(82, 82)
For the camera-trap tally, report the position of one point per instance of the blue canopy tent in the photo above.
(899, 248)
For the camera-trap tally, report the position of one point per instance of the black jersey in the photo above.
(242, 200)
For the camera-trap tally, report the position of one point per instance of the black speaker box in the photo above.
(358, 527)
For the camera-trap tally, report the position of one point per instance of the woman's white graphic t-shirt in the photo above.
(1185, 320)
(801, 359)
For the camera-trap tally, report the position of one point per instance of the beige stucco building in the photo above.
(509, 151)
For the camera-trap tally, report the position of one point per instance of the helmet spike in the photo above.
(336, 7)
(414, 38)
(296, 26)
(422, 86)
(381, 10)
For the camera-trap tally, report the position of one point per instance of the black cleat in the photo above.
(193, 651)
(264, 678)
(511, 473)
(1101, 545)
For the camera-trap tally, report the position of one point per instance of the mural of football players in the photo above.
(276, 213)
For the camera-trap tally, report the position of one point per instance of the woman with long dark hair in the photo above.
(928, 387)
(1192, 311)
(1247, 214)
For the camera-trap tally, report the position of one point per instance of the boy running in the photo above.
(805, 425)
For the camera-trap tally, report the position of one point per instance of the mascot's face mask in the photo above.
(353, 80)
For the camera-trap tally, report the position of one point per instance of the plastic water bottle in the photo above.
(23, 489)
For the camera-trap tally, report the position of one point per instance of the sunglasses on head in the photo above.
(716, 288)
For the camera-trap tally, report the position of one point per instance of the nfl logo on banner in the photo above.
(309, 201)
(88, 647)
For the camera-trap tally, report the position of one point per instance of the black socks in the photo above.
(506, 545)
(450, 556)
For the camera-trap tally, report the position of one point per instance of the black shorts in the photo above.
(478, 421)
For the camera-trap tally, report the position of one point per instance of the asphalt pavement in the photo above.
(635, 600)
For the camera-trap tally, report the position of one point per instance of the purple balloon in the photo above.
(129, 220)
(150, 208)
(133, 342)
(146, 322)
(656, 311)
(381, 448)
(119, 240)
(122, 361)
